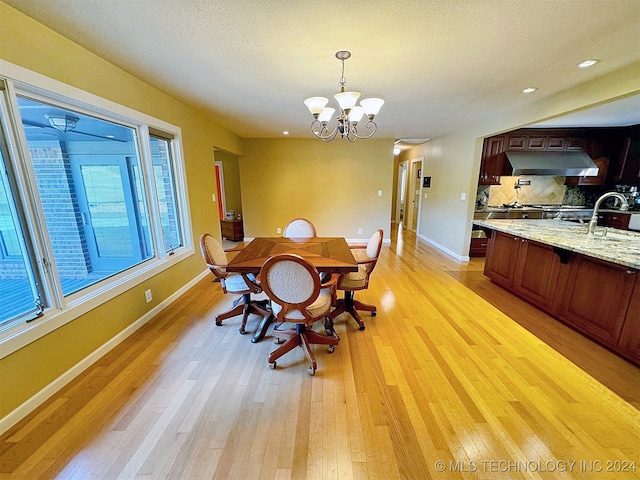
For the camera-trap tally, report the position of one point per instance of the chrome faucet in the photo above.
(594, 219)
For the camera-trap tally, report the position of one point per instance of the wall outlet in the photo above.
(463, 196)
(359, 231)
(213, 197)
(379, 193)
(147, 295)
(425, 194)
(278, 230)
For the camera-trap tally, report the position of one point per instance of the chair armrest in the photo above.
(333, 280)
(252, 282)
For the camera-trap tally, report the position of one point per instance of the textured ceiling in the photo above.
(438, 64)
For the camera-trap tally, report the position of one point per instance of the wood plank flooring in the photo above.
(447, 381)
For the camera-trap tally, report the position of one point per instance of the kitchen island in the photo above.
(590, 282)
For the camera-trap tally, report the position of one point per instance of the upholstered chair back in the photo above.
(293, 285)
(299, 228)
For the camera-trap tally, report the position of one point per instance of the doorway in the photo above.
(402, 192)
(414, 189)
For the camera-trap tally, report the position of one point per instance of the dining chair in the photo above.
(366, 257)
(299, 228)
(234, 283)
(297, 297)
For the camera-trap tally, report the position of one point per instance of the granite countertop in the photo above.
(618, 246)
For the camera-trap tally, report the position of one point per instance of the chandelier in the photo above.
(350, 116)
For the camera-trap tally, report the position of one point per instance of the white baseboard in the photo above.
(39, 398)
(444, 249)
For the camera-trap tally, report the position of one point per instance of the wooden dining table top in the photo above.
(327, 254)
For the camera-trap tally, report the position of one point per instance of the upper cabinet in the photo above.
(614, 150)
(629, 164)
(492, 162)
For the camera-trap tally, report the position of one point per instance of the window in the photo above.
(166, 191)
(90, 191)
(20, 296)
(91, 202)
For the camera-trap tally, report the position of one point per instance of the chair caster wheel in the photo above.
(311, 371)
(331, 349)
(278, 341)
(218, 323)
(242, 331)
(361, 327)
(272, 366)
(373, 314)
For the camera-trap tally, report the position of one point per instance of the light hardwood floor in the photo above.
(447, 381)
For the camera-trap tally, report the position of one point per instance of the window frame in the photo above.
(61, 309)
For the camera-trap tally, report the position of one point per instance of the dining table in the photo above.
(328, 255)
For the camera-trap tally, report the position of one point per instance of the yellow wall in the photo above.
(334, 185)
(31, 45)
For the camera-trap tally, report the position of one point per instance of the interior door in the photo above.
(415, 187)
(107, 204)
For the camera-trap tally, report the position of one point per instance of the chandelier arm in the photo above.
(323, 132)
(370, 125)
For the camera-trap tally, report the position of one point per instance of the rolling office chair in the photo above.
(297, 297)
(234, 283)
(367, 257)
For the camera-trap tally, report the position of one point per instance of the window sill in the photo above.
(23, 334)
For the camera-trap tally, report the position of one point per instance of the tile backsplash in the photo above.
(543, 190)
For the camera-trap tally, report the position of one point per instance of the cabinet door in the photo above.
(536, 142)
(501, 258)
(629, 344)
(596, 297)
(629, 169)
(492, 161)
(575, 143)
(517, 142)
(602, 163)
(614, 220)
(555, 143)
(536, 274)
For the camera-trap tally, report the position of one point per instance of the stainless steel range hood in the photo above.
(568, 164)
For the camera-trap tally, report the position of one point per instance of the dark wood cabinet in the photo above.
(529, 269)
(479, 243)
(232, 230)
(616, 152)
(501, 259)
(629, 343)
(492, 162)
(614, 220)
(536, 274)
(601, 179)
(516, 142)
(629, 163)
(537, 142)
(596, 297)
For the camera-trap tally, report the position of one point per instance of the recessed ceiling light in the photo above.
(285, 133)
(588, 63)
(529, 90)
